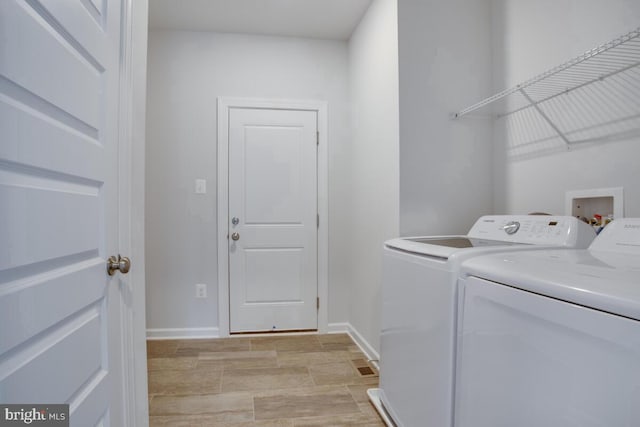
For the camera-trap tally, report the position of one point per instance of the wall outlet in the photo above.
(201, 290)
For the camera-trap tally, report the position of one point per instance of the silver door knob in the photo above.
(123, 264)
(235, 220)
(235, 236)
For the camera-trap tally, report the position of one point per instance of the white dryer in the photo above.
(552, 338)
(419, 309)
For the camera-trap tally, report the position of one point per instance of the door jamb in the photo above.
(224, 105)
(131, 163)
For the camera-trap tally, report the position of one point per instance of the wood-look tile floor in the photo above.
(274, 381)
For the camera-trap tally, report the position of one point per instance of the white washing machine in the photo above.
(419, 309)
(552, 338)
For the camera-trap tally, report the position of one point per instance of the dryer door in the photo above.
(527, 360)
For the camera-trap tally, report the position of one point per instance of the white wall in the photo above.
(373, 158)
(187, 72)
(531, 37)
(445, 165)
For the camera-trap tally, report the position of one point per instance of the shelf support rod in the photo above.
(545, 117)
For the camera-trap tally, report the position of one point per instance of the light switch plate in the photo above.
(201, 186)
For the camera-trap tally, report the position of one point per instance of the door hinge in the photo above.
(318, 220)
(318, 303)
(317, 138)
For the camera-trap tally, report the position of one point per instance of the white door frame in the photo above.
(224, 105)
(131, 189)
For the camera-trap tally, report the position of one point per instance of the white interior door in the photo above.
(272, 219)
(59, 310)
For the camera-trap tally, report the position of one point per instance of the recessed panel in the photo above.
(273, 275)
(43, 219)
(98, 4)
(65, 359)
(273, 173)
(91, 409)
(82, 24)
(40, 63)
(26, 307)
(33, 139)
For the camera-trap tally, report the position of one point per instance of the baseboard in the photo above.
(367, 349)
(182, 333)
(338, 328)
(364, 345)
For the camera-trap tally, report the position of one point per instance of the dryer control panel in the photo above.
(534, 229)
(621, 236)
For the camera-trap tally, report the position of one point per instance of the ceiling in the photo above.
(325, 19)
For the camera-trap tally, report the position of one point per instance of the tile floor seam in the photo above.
(222, 379)
(296, 353)
(253, 406)
(315, 383)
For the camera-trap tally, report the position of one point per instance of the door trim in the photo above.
(320, 107)
(131, 164)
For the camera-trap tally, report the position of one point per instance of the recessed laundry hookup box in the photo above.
(596, 206)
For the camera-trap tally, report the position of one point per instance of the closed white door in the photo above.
(272, 220)
(59, 310)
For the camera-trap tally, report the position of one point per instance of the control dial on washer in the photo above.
(511, 227)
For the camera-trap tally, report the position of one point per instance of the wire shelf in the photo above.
(593, 97)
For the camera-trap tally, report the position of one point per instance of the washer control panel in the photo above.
(534, 229)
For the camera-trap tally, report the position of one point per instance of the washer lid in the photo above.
(493, 231)
(600, 280)
(457, 241)
(445, 246)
